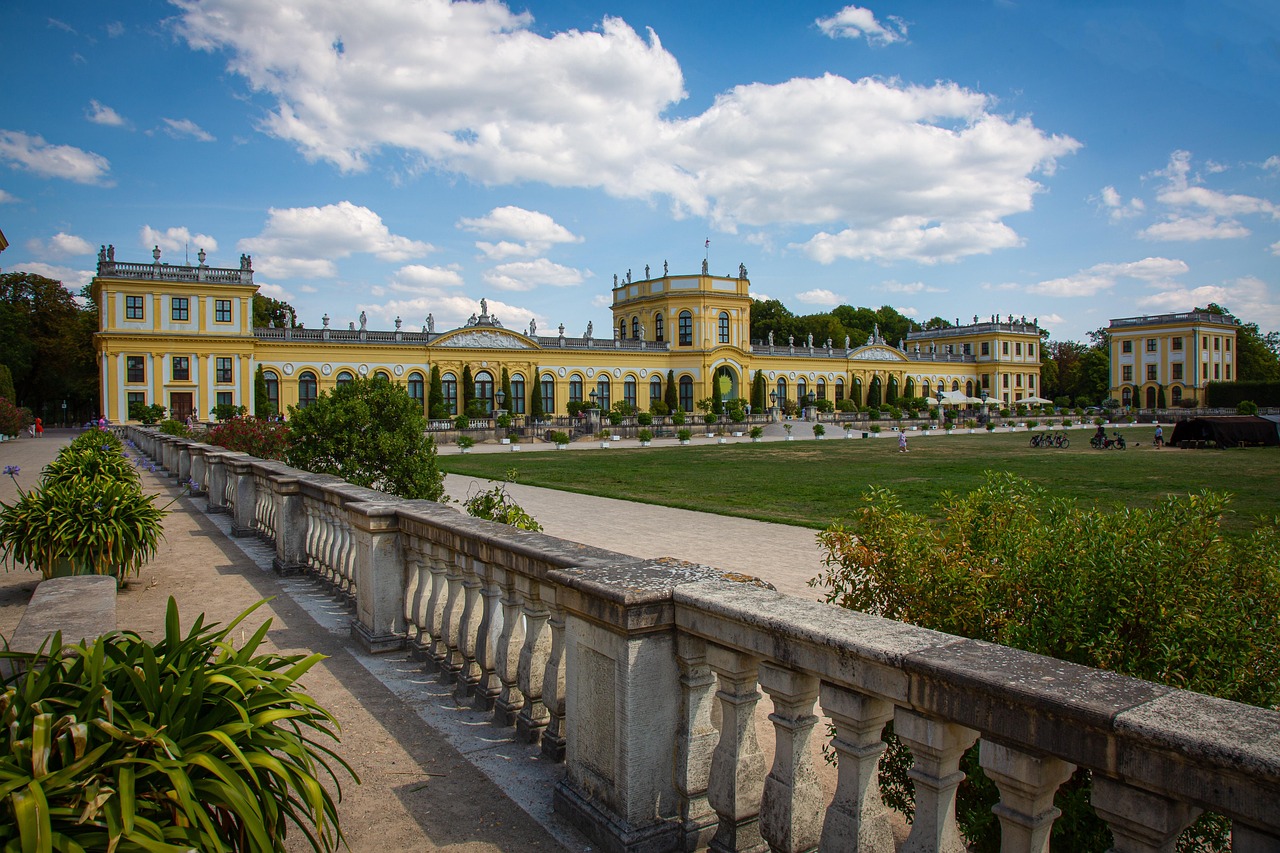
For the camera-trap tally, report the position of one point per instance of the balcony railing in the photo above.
(615, 663)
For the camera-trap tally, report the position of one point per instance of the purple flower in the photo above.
(12, 470)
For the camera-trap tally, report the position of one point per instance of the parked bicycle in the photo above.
(1102, 442)
(1046, 440)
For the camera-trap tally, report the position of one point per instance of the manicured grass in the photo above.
(811, 483)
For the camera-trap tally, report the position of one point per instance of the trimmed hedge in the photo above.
(1227, 395)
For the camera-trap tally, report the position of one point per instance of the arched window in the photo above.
(686, 393)
(602, 392)
(382, 374)
(658, 328)
(1151, 397)
(635, 328)
(306, 389)
(802, 391)
(655, 389)
(575, 388)
(839, 388)
(516, 403)
(273, 390)
(1176, 395)
(449, 390)
(822, 389)
(782, 390)
(417, 388)
(484, 389)
(723, 325)
(629, 391)
(344, 376)
(686, 329)
(955, 385)
(622, 328)
(968, 388)
(548, 384)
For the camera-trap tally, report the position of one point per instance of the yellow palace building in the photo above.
(183, 337)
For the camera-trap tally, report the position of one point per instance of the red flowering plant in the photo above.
(264, 439)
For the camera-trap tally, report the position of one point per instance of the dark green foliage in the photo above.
(1227, 395)
(369, 432)
(759, 394)
(268, 311)
(226, 411)
(496, 505)
(467, 393)
(1160, 399)
(1156, 593)
(172, 427)
(262, 407)
(435, 403)
(1247, 407)
(188, 743)
(671, 394)
(48, 345)
(535, 396)
(146, 414)
(6, 383)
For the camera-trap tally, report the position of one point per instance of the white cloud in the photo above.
(1100, 277)
(1199, 213)
(53, 161)
(527, 275)
(416, 278)
(1191, 228)
(102, 114)
(1275, 248)
(61, 245)
(72, 279)
(913, 287)
(183, 128)
(450, 311)
(855, 22)
(1117, 207)
(115, 29)
(1249, 298)
(926, 172)
(8, 198)
(1272, 164)
(304, 241)
(819, 296)
(522, 233)
(177, 239)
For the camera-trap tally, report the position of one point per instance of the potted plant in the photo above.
(991, 427)
(1032, 424)
(819, 431)
(683, 435)
(465, 443)
(756, 433)
(560, 439)
(513, 438)
(875, 430)
(645, 437)
(787, 427)
(603, 435)
(848, 429)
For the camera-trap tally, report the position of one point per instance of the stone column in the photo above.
(736, 784)
(857, 818)
(507, 652)
(217, 480)
(291, 524)
(380, 577)
(184, 461)
(1027, 785)
(791, 806)
(695, 742)
(1140, 821)
(468, 629)
(937, 747)
(243, 487)
(553, 684)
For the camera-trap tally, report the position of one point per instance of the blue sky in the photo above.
(1072, 161)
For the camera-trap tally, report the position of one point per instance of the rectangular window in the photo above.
(548, 395)
(134, 308)
(224, 398)
(1228, 373)
(1228, 347)
(1126, 373)
(1217, 371)
(1017, 380)
(986, 380)
(137, 397)
(449, 391)
(1151, 372)
(686, 329)
(1217, 344)
(1204, 371)
(181, 368)
(1017, 349)
(517, 395)
(1177, 370)
(135, 368)
(986, 348)
(222, 369)
(222, 310)
(1004, 348)
(575, 389)
(1126, 346)
(1176, 344)
(1204, 342)
(1006, 379)
(1151, 344)
(724, 328)
(1031, 381)
(179, 309)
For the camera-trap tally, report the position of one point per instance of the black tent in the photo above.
(1237, 431)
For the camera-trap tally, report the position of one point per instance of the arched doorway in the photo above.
(734, 391)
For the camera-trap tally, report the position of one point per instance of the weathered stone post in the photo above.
(199, 469)
(240, 470)
(379, 625)
(291, 524)
(217, 460)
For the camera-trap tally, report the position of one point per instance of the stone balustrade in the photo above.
(643, 676)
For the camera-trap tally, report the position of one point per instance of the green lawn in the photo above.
(810, 483)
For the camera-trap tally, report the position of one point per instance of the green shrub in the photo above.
(873, 414)
(615, 418)
(466, 442)
(558, 437)
(644, 435)
(462, 422)
(186, 744)
(1155, 593)
(264, 439)
(1247, 407)
(756, 431)
(146, 414)
(172, 427)
(677, 417)
(684, 434)
(496, 505)
(644, 419)
(226, 411)
(819, 430)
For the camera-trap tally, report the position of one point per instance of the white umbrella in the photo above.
(1036, 401)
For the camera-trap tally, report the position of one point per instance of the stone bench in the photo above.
(81, 607)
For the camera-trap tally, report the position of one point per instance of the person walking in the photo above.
(39, 428)
(902, 442)
(1159, 440)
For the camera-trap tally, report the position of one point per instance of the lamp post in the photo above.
(811, 413)
(773, 406)
(500, 398)
(64, 413)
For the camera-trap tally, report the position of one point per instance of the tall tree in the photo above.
(770, 315)
(435, 402)
(506, 390)
(759, 395)
(48, 345)
(468, 390)
(672, 393)
(272, 312)
(536, 412)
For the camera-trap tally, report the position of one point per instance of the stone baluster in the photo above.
(333, 549)
(695, 742)
(415, 557)
(242, 486)
(184, 462)
(1027, 785)
(199, 469)
(451, 665)
(791, 805)
(489, 686)
(346, 563)
(857, 818)
(533, 662)
(291, 524)
(439, 561)
(1140, 821)
(315, 533)
(507, 652)
(217, 482)
(553, 685)
(379, 576)
(736, 784)
(937, 747)
(468, 630)
(324, 541)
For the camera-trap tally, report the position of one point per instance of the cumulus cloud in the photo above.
(1101, 277)
(922, 172)
(1192, 228)
(61, 245)
(1272, 164)
(7, 197)
(1248, 297)
(72, 279)
(176, 239)
(519, 233)
(1200, 213)
(304, 241)
(99, 113)
(416, 278)
(31, 152)
(186, 128)
(912, 287)
(855, 22)
(527, 275)
(449, 310)
(819, 296)
(1117, 208)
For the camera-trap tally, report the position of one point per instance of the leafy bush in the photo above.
(644, 419)
(615, 418)
(264, 439)
(172, 427)
(558, 437)
(645, 435)
(756, 431)
(677, 417)
(873, 414)
(146, 414)
(1247, 407)
(1154, 593)
(466, 442)
(875, 427)
(496, 505)
(227, 411)
(503, 421)
(684, 434)
(659, 408)
(371, 433)
(462, 422)
(13, 419)
(575, 407)
(819, 430)
(709, 418)
(187, 744)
